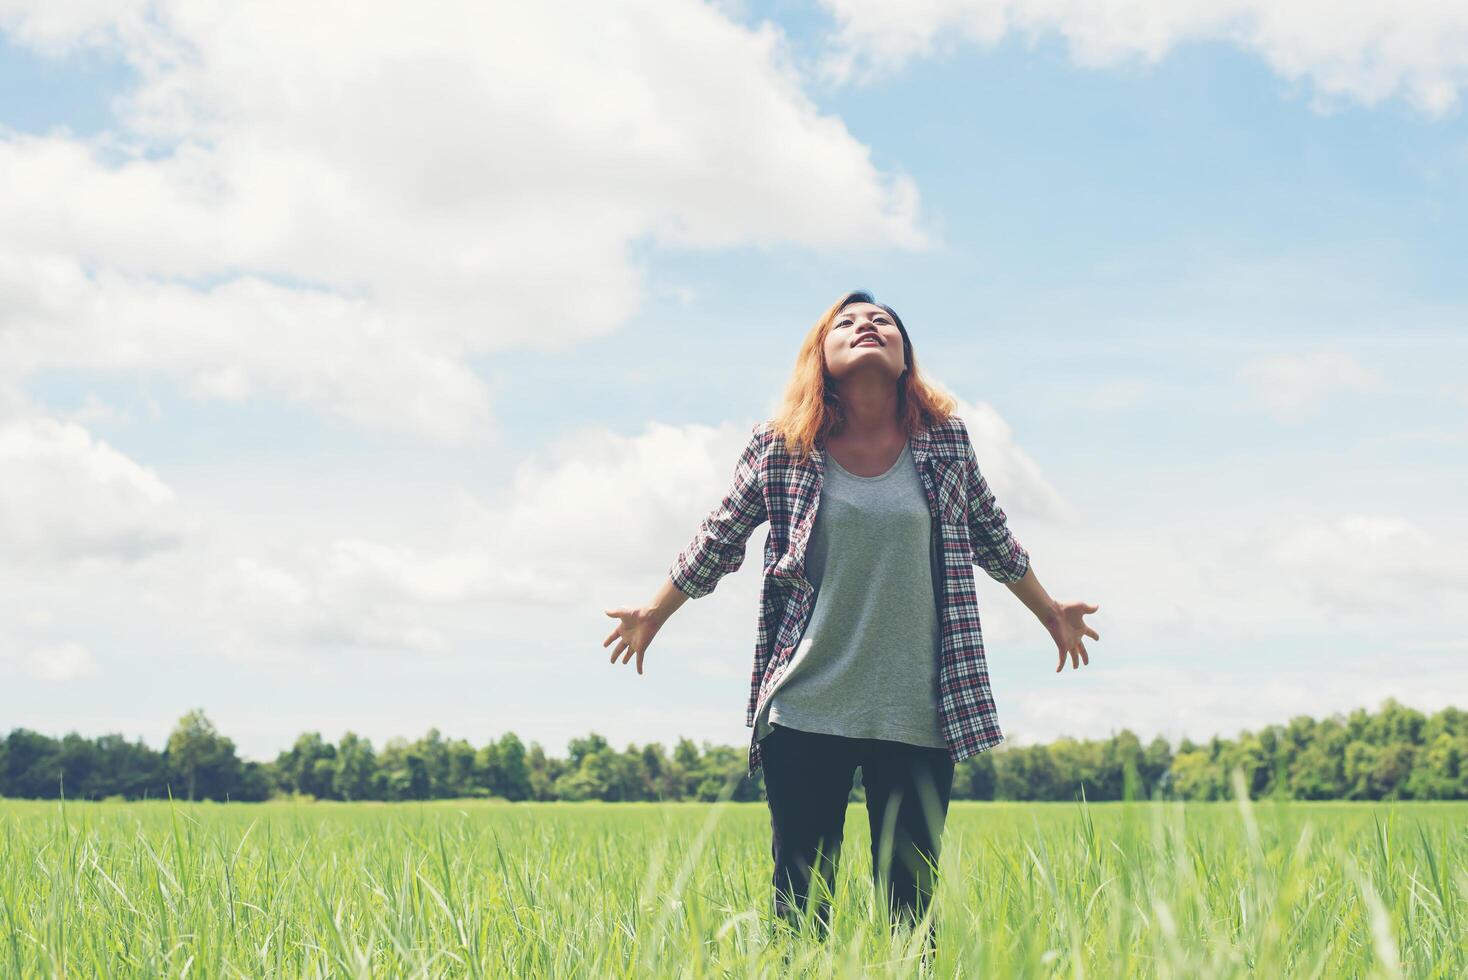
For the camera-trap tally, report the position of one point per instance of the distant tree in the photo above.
(579, 748)
(1393, 753)
(1393, 769)
(308, 766)
(129, 769)
(32, 765)
(405, 771)
(1070, 765)
(1440, 771)
(1316, 775)
(432, 755)
(354, 775)
(1195, 776)
(973, 778)
(514, 778)
(256, 782)
(684, 770)
(77, 759)
(1154, 766)
(1395, 723)
(202, 761)
(1029, 772)
(1248, 754)
(1121, 762)
(656, 770)
(544, 771)
(461, 777)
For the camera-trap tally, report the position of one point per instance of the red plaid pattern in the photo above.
(969, 527)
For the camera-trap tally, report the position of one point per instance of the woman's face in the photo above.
(864, 338)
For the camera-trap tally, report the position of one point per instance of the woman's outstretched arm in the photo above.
(1062, 619)
(716, 550)
(718, 547)
(639, 624)
(1006, 560)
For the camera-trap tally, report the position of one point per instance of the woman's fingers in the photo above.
(616, 630)
(1092, 633)
(624, 648)
(1077, 652)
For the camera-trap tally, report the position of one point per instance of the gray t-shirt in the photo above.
(866, 665)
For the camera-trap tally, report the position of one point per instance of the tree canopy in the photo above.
(1395, 752)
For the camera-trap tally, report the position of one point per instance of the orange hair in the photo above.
(811, 407)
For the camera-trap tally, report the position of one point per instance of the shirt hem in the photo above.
(886, 735)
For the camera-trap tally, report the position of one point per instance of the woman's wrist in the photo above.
(667, 601)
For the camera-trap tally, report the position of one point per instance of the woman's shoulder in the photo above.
(771, 442)
(946, 433)
(947, 437)
(949, 423)
(767, 435)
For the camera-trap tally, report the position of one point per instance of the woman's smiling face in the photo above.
(861, 337)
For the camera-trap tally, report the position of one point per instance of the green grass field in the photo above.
(681, 890)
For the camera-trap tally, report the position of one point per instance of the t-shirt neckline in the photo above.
(880, 476)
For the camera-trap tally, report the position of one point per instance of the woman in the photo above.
(868, 651)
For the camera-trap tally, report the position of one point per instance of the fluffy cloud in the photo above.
(1191, 696)
(68, 497)
(69, 661)
(1365, 562)
(345, 217)
(1367, 51)
(594, 507)
(1016, 479)
(1292, 386)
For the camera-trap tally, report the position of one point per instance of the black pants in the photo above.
(808, 780)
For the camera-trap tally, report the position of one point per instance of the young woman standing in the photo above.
(868, 651)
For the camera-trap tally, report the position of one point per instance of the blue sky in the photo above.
(345, 379)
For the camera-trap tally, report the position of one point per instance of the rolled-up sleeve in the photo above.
(718, 547)
(995, 548)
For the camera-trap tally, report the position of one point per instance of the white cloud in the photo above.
(1016, 479)
(1365, 51)
(596, 518)
(1367, 562)
(67, 662)
(344, 217)
(69, 497)
(593, 509)
(94, 411)
(1190, 695)
(1292, 386)
(290, 600)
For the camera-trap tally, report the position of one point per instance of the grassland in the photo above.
(682, 890)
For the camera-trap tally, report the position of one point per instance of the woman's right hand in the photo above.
(636, 627)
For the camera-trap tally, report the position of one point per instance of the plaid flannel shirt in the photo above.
(969, 527)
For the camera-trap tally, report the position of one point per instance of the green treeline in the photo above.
(1395, 753)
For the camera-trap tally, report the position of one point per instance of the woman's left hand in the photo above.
(1069, 630)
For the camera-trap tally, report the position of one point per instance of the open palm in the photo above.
(635, 629)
